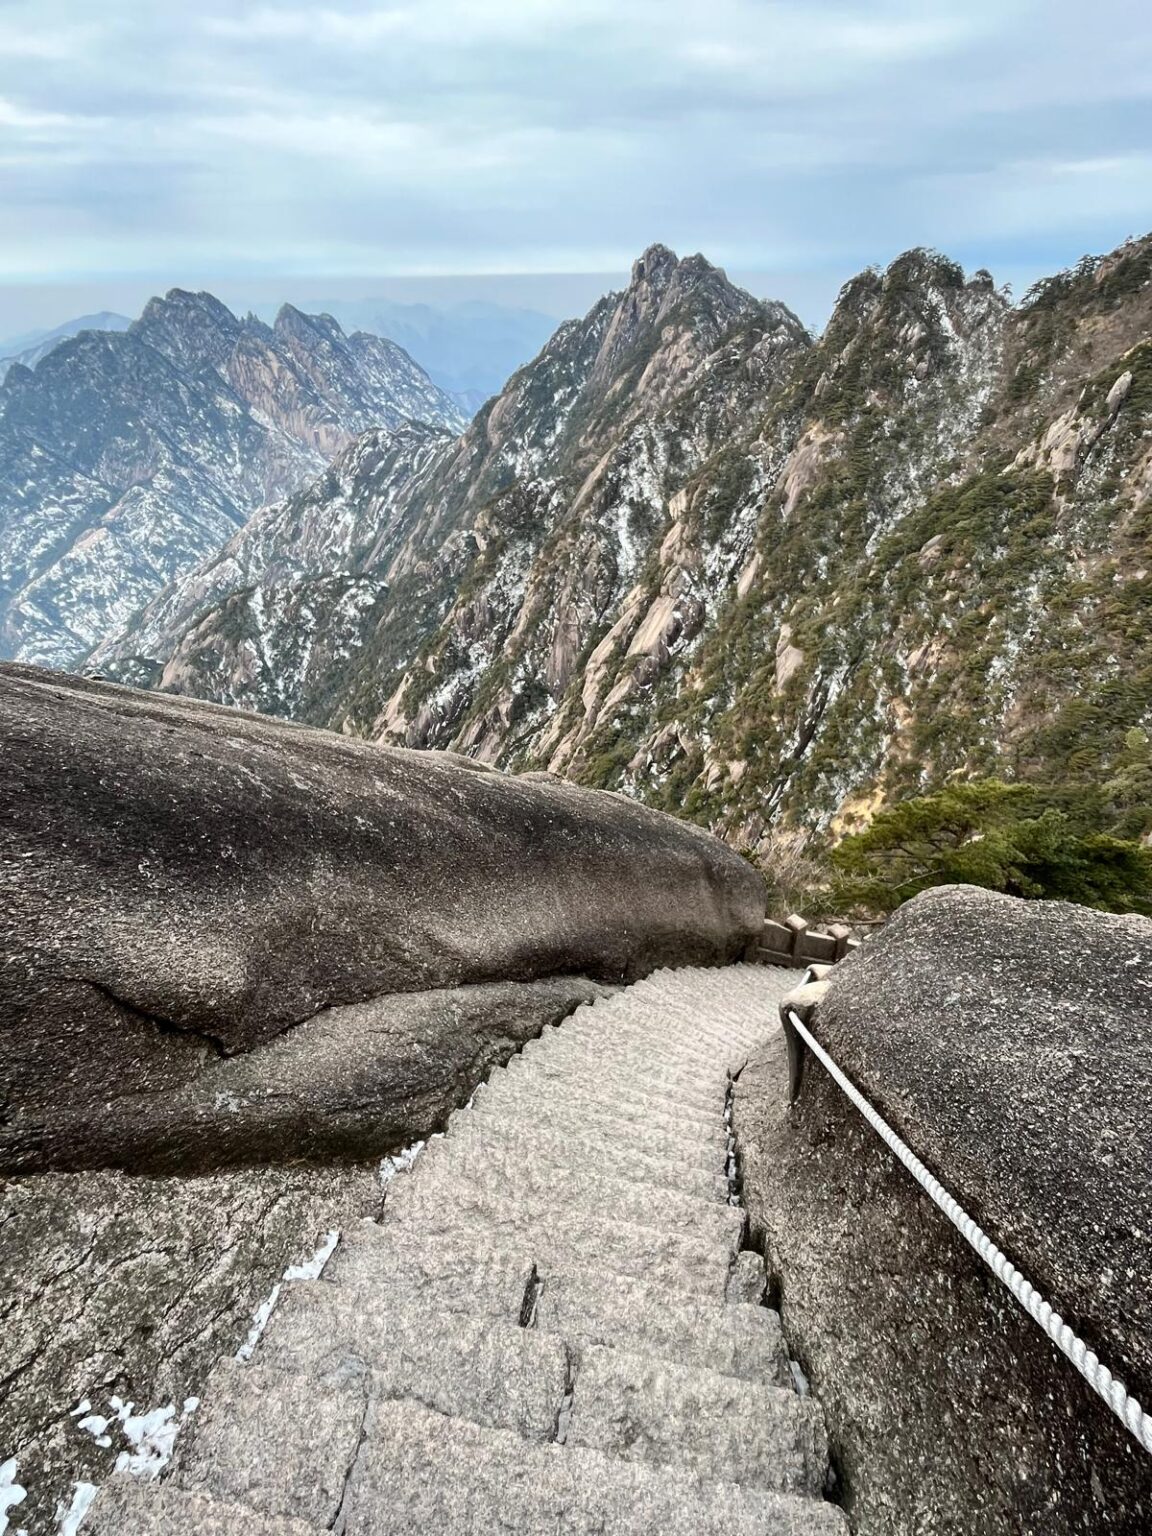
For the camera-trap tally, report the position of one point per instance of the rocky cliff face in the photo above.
(761, 580)
(130, 456)
(577, 459)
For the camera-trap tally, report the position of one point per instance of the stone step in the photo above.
(125, 1506)
(547, 1160)
(594, 1308)
(459, 1173)
(494, 1373)
(687, 1026)
(373, 1254)
(493, 1203)
(609, 1082)
(719, 1427)
(613, 1120)
(705, 1068)
(635, 1108)
(702, 1089)
(426, 1278)
(554, 1145)
(628, 1022)
(569, 1239)
(419, 1473)
(696, 986)
(723, 983)
(731, 1017)
(674, 1042)
(690, 1037)
(277, 1442)
(735, 1015)
(638, 1056)
(677, 1151)
(597, 1080)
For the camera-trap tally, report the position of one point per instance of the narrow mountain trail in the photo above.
(554, 1328)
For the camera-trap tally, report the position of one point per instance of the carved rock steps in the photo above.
(544, 1333)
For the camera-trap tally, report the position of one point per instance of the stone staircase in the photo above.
(552, 1330)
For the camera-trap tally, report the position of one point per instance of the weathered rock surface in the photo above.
(124, 1510)
(184, 883)
(1008, 1043)
(125, 1287)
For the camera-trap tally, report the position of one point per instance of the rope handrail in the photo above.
(1126, 1408)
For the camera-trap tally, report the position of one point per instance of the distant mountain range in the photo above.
(470, 349)
(766, 580)
(414, 521)
(33, 345)
(128, 456)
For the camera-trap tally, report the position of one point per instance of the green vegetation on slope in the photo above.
(1004, 837)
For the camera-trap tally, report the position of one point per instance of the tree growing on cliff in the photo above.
(1001, 836)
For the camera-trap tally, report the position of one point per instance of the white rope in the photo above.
(1097, 1375)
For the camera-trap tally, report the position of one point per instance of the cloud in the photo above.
(1014, 199)
(33, 127)
(22, 41)
(363, 136)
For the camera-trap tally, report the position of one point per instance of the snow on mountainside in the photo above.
(127, 457)
(766, 581)
(596, 379)
(294, 594)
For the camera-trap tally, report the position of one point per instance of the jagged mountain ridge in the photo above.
(538, 442)
(130, 456)
(767, 581)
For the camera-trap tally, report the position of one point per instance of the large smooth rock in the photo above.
(353, 1082)
(1010, 1044)
(182, 882)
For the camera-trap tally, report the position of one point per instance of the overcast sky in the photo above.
(283, 149)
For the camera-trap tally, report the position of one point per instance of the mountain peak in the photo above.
(291, 322)
(923, 267)
(656, 265)
(660, 271)
(188, 328)
(664, 286)
(183, 302)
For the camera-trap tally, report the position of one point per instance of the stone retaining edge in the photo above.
(795, 946)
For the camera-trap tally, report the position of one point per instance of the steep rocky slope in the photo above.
(583, 439)
(127, 457)
(764, 581)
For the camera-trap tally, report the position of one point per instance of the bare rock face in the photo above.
(1008, 1043)
(184, 883)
